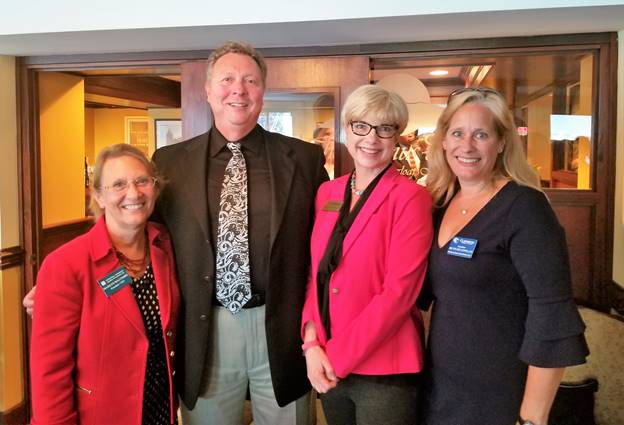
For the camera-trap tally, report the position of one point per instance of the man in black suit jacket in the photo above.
(219, 352)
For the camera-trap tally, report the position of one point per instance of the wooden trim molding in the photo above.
(16, 415)
(53, 236)
(68, 62)
(67, 226)
(11, 257)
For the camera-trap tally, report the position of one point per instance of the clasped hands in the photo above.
(320, 371)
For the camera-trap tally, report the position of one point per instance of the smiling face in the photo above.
(370, 153)
(127, 210)
(235, 91)
(472, 144)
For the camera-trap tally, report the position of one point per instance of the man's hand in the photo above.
(29, 301)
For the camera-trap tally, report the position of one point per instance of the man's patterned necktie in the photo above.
(233, 278)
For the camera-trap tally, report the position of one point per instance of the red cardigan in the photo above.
(89, 351)
(375, 326)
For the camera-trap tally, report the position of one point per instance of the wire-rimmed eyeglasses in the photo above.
(384, 131)
(122, 185)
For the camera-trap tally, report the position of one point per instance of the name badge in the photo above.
(114, 281)
(332, 206)
(462, 247)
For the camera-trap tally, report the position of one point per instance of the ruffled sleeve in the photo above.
(554, 329)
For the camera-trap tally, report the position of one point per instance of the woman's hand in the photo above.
(29, 301)
(320, 371)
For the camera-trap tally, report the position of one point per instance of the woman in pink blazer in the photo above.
(107, 302)
(362, 333)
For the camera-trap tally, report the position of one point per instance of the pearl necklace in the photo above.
(353, 189)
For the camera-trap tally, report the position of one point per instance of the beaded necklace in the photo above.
(353, 189)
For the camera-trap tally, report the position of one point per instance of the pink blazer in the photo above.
(89, 351)
(375, 326)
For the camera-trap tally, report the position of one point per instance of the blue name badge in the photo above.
(462, 247)
(114, 281)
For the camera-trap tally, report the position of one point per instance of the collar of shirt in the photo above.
(253, 141)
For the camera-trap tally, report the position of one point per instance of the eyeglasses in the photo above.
(140, 182)
(483, 90)
(384, 131)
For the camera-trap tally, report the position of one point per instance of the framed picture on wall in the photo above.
(168, 132)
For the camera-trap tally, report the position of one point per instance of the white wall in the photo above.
(77, 15)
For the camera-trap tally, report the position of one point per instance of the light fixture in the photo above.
(439, 72)
(422, 114)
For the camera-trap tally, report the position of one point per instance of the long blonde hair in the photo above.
(511, 163)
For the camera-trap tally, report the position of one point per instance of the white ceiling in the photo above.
(323, 33)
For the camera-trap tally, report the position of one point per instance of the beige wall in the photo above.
(160, 114)
(62, 130)
(538, 146)
(11, 356)
(9, 204)
(618, 225)
(109, 126)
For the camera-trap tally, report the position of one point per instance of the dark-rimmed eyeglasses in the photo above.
(483, 90)
(123, 185)
(384, 131)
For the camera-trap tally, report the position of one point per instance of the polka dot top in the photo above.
(156, 409)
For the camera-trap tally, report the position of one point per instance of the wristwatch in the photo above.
(524, 421)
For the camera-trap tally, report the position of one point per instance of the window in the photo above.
(550, 94)
(278, 122)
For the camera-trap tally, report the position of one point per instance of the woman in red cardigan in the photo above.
(107, 302)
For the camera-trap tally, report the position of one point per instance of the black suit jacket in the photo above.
(296, 170)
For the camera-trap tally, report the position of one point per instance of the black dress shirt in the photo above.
(258, 201)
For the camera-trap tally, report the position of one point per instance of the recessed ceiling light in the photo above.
(439, 72)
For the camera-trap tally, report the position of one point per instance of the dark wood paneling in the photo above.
(58, 234)
(196, 115)
(11, 257)
(153, 90)
(577, 220)
(29, 165)
(14, 416)
(344, 73)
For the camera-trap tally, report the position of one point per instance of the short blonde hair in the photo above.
(389, 107)
(240, 48)
(511, 163)
(117, 151)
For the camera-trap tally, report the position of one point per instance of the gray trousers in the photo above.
(373, 400)
(240, 358)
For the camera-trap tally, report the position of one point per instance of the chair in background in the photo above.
(574, 403)
(605, 337)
